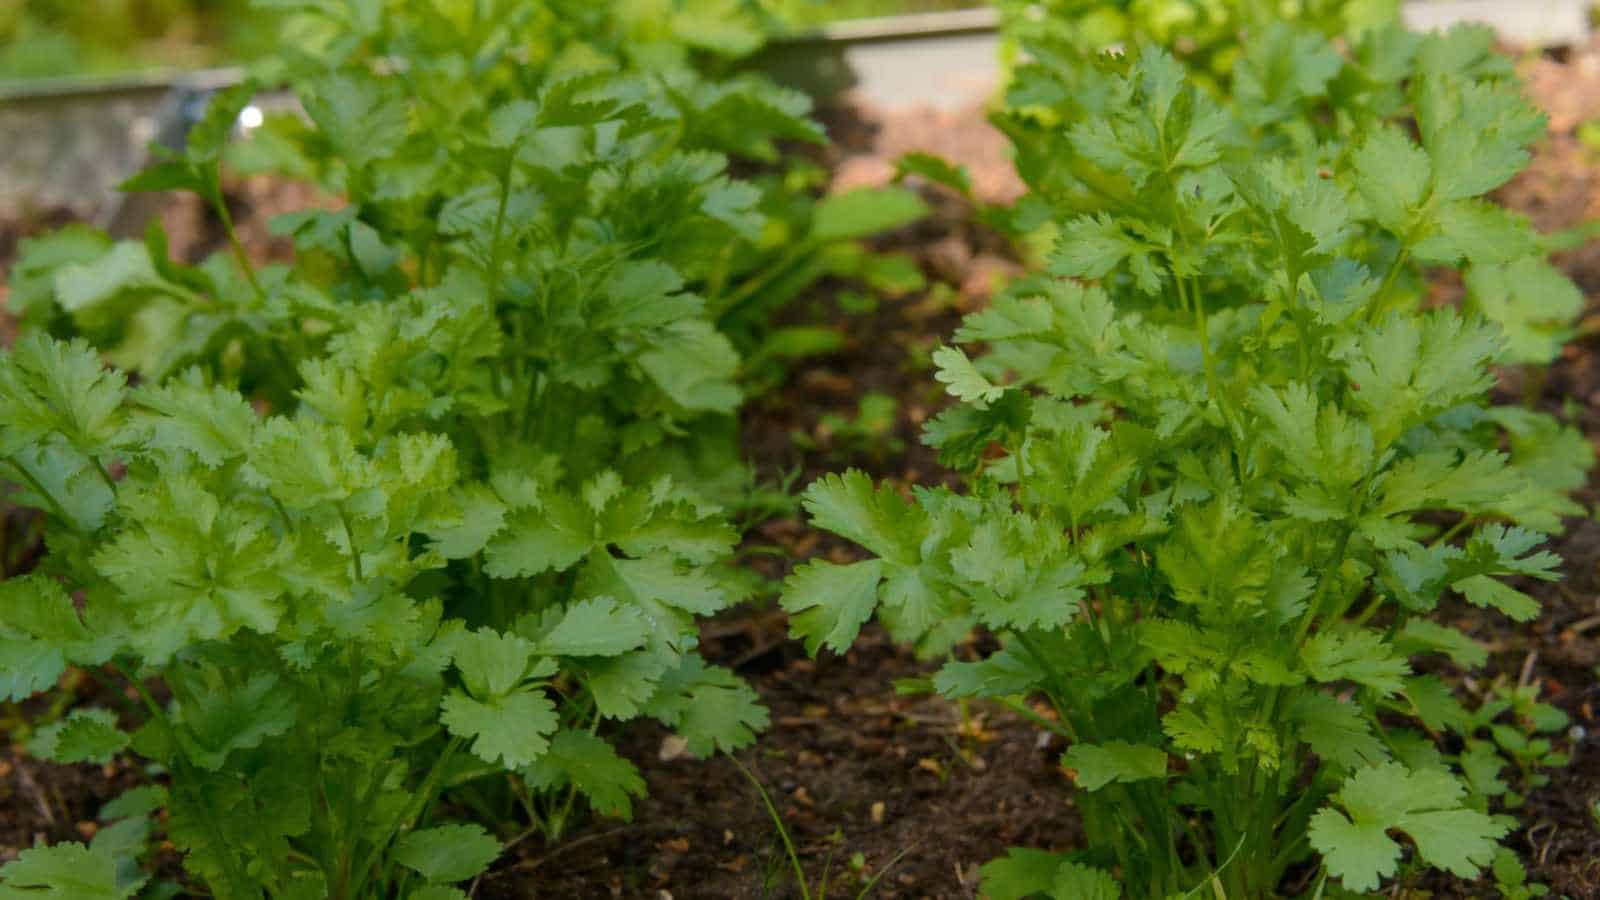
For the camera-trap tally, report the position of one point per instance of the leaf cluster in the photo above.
(349, 620)
(1207, 36)
(1382, 152)
(1221, 468)
(421, 517)
(573, 162)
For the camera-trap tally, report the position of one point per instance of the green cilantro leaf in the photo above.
(446, 854)
(1001, 674)
(1393, 177)
(1338, 732)
(492, 664)
(508, 729)
(1426, 805)
(874, 517)
(182, 416)
(865, 211)
(1359, 656)
(1075, 881)
(1421, 635)
(40, 632)
(592, 766)
(49, 388)
(1411, 368)
(1097, 765)
(962, 379)
(554, 536)
(708, 706)
(1434, 704)
(85, 735)
(597, 627)
(66, 872)
(1021, 874)
(828, 603)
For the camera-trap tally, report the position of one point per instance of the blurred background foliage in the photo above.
(40, 38)
(50, 38)
(803, 13)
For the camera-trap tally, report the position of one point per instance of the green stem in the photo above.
(1021, 709)
(1373, 605)
(1465, 523)
(350, 536)
(1329, 571)
(105, 476)
(724, 308)
(219, 204)
(1057, 687)
(499, 229)
(421, 802)
(193, 298)
(1209, 361)
(183, 766)
(564, 814)
(1022, 480)
(524, 799)
(149, 699)
(39, 489)
(1302, 318)
(1389, 279)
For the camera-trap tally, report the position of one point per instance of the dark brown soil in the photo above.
(916, 785)
(45, 803)
(906, 782)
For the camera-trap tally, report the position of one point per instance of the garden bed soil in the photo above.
(867, 780)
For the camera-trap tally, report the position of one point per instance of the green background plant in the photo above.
(54, 38)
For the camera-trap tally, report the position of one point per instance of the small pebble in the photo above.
(672, 747)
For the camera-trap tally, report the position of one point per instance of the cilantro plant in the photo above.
(1300, 110)
(412, 523)
(1220, 468)
(1295, 99)
(576, 157)
(682, 110)
(347, 618)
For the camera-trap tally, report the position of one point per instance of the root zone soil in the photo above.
(867, 779)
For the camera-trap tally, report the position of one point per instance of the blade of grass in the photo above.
(777, 821)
